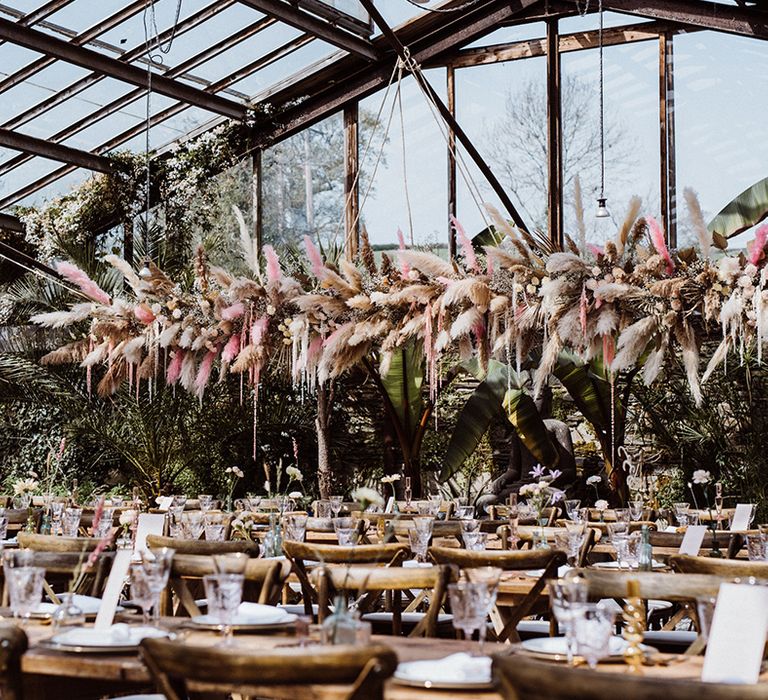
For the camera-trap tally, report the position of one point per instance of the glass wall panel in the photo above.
(721, 99)
(303, 186)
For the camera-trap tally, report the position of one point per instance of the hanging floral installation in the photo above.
(633, 301)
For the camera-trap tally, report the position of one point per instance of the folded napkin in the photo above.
(456, 668)
(413, 564)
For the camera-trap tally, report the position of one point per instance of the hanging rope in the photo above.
(602, 101)
(399, 98)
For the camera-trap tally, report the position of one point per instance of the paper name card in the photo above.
(693, 539)
(113, 589)
(741, 517)
(149, 524)
(164, 502)
(737, 635)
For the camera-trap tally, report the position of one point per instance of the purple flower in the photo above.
(556, 496)
(537, 472)
(555, 474)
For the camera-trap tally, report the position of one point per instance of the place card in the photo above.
(113, 589)
(693, 539)
(149, 524)
(737, 635)
(164, 502)
(742, 517)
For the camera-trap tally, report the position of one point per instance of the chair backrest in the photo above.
(675, 539)
(52, 543)
(731, 568)
(501, 512)
(523, 677)
(19, 517)
(508, 560)
(370, 581)
(525, 535)
(264, 579)
(202, 547)
(13, 644)
(179, 668)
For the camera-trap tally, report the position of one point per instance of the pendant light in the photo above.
(602, 210)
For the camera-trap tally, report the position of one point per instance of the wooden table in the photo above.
(49, 673)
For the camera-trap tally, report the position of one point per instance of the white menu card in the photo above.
(113, 589)
(149, 524)
(164, 502)
(737, 635)
(741, 517)
(692, 540)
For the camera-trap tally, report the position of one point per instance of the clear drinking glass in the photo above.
(572, 507)
(705, 609)
(230, 563)
(3, 527)
(254, 503)
(25, 589)
(475, 541)
(465, 512)
(622, 514)
(336, 502)
(470, 605)
(192, 524)
(570, 543)
(215, 532)
(636, 510)
(206, 501)
(57, 508)
(294, 527)
(346, 536)
(592, 629)
(419, 543)
(322, 509)
(565, 595)
(681, 513)
(104, 526)
(70, 521)
(424, 524)
(175, 526)
(224, 593)
(142, 590)
(179, 501)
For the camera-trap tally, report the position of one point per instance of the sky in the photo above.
(721, 99)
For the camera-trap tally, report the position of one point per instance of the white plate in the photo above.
(88, 604)
(615, 565)
(117, 638)
(556, 647)
(250, 615)
(458, 671)
(538, 573)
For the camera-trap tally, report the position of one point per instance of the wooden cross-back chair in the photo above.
(53, 543)
(18, 518)
(203, 547)
(548, 560)
(730, 568)
(13, 644)
(264, 579)
(520, 676)
(367, 584)
(179, 670)
(729, 543)
(61, 567)
(675, 588)
(298, 553)
(525, 535)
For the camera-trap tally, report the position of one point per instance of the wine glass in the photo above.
(681, 513)
(206, 501)
(470, 604)
(25, 589)
(623, 515)
(419, 543)
(336, 502)
(572, 507)
(70, 521)
(230, 563)
(565, 595)
(141, 590)
(593, 629)
(192, 524)
(570, 543)
(295, 526)
(224, 593)
(179, 501)
(475, 541)
(636, 510)
(3, 527)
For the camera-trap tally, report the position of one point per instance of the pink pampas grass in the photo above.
(230, 313)
(231, 349)
(174, 368)
(314, 256)
(144, 314)
(274, 273)
(467, 251)
(597, 251)
(204, 372)
(657, 238)
(258, 329)
(761, 237)
(86, 284)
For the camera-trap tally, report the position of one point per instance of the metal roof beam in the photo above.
(307, 22)
(55, 151)
(92, 60)
(705, 15)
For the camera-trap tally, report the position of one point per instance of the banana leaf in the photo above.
(588, 386)
(488, 236)
(403, 385)
(475, 417)
(529, 426)
(743, 212)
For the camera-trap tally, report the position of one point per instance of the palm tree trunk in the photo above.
(322, 423)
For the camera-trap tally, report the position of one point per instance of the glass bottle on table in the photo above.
(645, 555)
(513, 514)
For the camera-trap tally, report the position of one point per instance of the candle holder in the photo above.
(634, 619)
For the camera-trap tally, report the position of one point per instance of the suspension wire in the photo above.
(602, 101)
(399, 98)
(444, 10)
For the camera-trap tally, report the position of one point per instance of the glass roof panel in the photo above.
(57, 188)
(170, 130)
(81, 15)
(262, 43)
(13, 57)
(349, 7)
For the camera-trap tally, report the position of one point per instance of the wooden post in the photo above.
(351, 183)
(667, 137)
(450, 75)
(256, 197)
(554, 136)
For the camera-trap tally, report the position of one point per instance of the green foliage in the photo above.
(743, 212)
